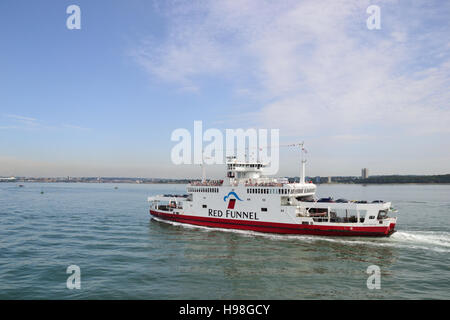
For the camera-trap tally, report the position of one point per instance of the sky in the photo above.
(104, 100)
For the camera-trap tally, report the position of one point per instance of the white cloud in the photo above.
(315, 67)
(21, 118)
(312, 62)
(28, 123)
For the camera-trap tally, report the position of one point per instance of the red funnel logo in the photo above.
(231, 203)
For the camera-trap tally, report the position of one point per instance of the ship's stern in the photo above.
(391, 222)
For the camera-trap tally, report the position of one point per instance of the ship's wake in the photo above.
(437, 241)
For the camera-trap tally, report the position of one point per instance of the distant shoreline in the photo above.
(385, 179)
(175, 183)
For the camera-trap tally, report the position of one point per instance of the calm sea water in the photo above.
(124, 254)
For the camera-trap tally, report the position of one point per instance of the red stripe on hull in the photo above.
(281, 228)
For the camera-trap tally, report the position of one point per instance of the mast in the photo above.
(203, 173)
(302, 174)
(203, 167)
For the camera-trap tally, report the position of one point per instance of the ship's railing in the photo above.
(344, 212)
(264, 184)
(168, 198)
(208, 183)
(352, 219)
(165, 203)
(268, 183)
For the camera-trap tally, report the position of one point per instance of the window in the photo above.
(204, 206)
(263, 209)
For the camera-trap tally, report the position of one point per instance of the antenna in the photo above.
(303, 151)
(203, 167)
(303, 161)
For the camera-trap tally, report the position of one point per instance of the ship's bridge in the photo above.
(237, 170)
(251, 175)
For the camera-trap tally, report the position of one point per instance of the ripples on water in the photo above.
(124, 254)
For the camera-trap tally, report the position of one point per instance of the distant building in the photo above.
(364, 173)
(9, 179)
(317, 179)
(329, 179)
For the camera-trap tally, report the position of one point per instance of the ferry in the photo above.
(247, 199)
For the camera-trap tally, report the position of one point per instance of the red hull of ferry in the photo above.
(280, 228)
